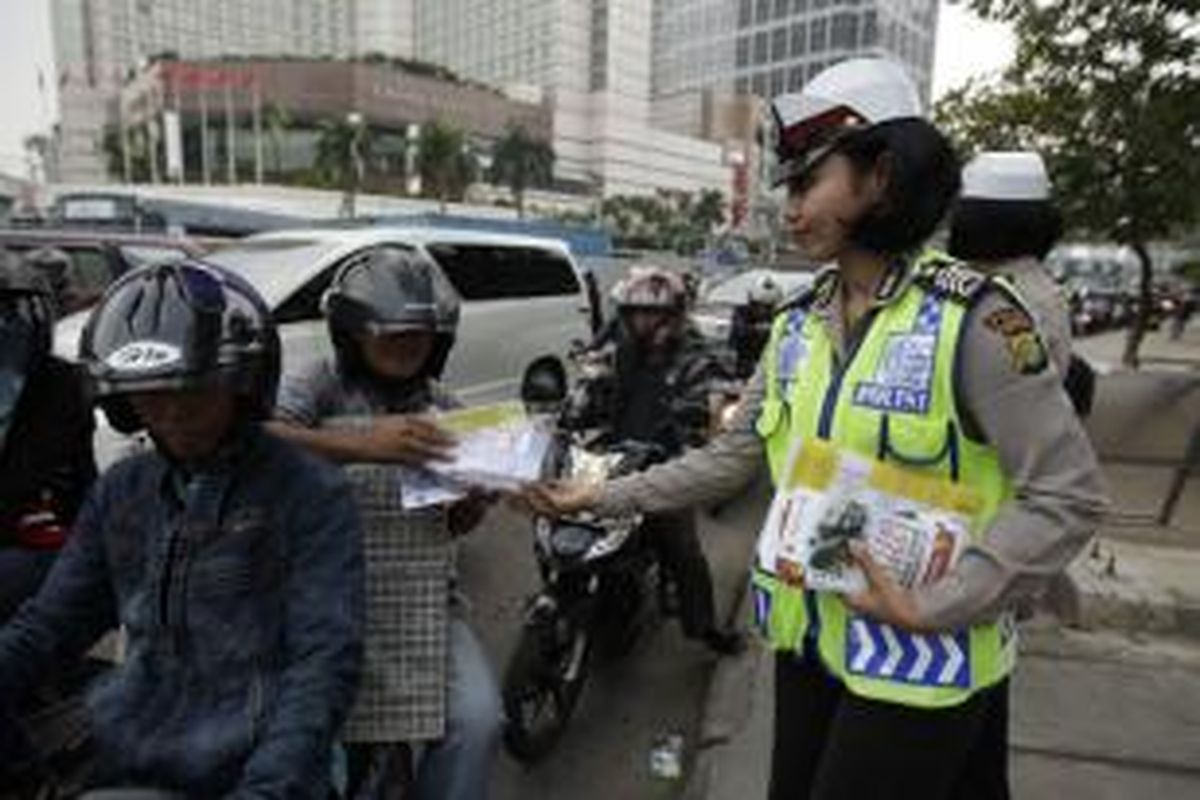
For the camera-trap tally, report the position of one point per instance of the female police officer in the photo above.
(892, 691)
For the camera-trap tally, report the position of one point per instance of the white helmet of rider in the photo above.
(850, 96)
(765, 291)
(651, 288)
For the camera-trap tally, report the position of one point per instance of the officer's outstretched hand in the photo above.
(408, 439)
(884, 599)
(556, 498)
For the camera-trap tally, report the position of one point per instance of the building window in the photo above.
(743, 51)
(760, 47)
(820, 5)
(745, 13)
(799, 6)
(819, 41)
(845, 31)
(742, 85)
(779, 44)
(762, 11)
(870, 30)
(799, 39)
(781, 8)
(796, 78)
(777, 82)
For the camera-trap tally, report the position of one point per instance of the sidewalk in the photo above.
(1108, 710)
(1093, 715)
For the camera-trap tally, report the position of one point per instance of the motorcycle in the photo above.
(598, 577)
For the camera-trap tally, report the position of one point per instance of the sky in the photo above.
(966, 47)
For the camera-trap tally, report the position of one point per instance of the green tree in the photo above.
(520, 162)
(334, 161)
(1108, 93)
(445, 161)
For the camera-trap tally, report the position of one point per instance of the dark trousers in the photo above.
(673, 537)
(832, 745)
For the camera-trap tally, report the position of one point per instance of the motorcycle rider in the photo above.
(750, 325)
(46, 463)
(230, 559)
(1005, 223)
(392, 317)
(662, 382)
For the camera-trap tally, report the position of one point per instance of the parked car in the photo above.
(524, 299)
(97, 257)
(713, 314)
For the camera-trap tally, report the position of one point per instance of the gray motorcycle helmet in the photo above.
(183, 325)
(391, 290)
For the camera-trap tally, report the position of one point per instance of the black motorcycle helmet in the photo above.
(182, 325)
(26, 299)
(390, 290)
(55, 266)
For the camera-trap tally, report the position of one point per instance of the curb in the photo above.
(1108, 588)
(728, 708)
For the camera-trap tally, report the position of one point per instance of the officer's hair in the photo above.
(998, 230)
(923, 179)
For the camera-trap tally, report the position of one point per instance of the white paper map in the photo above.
(499, 446)
(914, 524)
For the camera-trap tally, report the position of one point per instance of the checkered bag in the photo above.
(409, 561)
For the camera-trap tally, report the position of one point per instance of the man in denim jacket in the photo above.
(231, 559)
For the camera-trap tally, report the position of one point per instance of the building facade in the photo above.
(231, 112)
(767, 47)
(592, 61)
(99, 43)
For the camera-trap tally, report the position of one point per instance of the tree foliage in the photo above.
(445, 161)
(334, 160)
(520, 162)
(1109, 94)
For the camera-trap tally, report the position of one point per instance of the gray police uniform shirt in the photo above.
(1045, 300)
(1059, 494)
(409, 559)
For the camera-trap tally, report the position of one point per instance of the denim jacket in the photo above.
(240, 591)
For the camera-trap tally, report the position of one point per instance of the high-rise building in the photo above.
(591, 59)
(383, 26)
(97, 43)
(767, 47)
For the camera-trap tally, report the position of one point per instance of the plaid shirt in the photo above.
(409, 559)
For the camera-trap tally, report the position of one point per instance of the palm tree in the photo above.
(520, 161)
(335, 151)
(278, 120)
(445, 161)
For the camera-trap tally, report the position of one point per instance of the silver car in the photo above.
(524, 302)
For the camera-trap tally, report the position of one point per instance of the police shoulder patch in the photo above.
(950, 278)
(1022, 342)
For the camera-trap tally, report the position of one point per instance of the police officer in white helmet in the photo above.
(1005, 223)
(918, 369)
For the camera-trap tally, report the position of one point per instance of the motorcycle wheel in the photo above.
(541, 687)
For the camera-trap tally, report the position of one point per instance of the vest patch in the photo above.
(793, 351)
(903, 380)
(877, 650)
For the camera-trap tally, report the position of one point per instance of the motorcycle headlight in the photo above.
(572, 541)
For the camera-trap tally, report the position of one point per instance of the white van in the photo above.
(524, 299)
